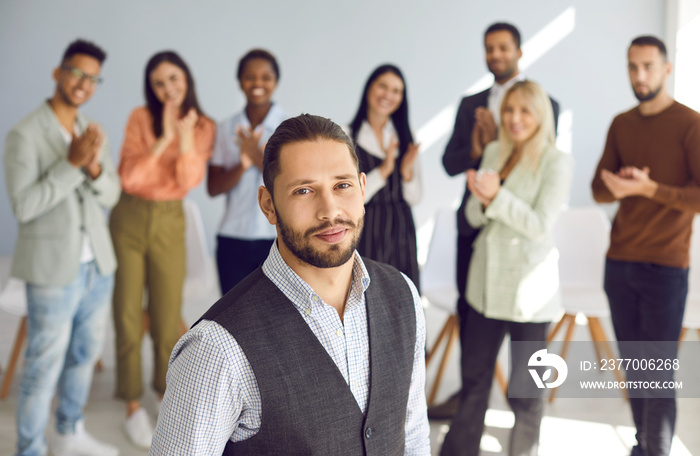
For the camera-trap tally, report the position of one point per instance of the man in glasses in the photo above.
(60, 178)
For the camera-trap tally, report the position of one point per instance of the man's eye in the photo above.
(344, 185)
(302, 191)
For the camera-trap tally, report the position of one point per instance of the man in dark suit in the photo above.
(476, 125)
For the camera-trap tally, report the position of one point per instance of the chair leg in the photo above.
(571, 320)
(601, 340)
(450, 330)
(593, 324)
(14, 358)
(501, 379)
(443, 333)
(556, 329)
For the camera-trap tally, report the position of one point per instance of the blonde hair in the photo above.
(540, 106)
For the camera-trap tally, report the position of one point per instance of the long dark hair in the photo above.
(399, 117)
(153, 104)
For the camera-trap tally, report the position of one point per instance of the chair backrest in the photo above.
(13, 292)
(438, 277)
(582, 236)
(694, 271)
(199, 267)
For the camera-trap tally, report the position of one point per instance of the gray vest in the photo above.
(307, 407)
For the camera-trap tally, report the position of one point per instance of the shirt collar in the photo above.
(368, 140)
(500, 89)
(298, 291)
(274, 117)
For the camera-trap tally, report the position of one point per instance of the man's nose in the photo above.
(328, 208)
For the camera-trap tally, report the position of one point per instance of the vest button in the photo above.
(368, 433)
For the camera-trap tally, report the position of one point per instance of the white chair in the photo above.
(691, 317)
(582, 236)
(13, 300)
(201, 274)
(439, 287)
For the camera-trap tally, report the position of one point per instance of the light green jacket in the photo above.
(513, 274)
(54, 202)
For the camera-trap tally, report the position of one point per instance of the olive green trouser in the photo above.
(149, 241)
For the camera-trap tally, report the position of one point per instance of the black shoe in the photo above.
(447, 410)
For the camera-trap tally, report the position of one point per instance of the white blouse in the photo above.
(413, 190)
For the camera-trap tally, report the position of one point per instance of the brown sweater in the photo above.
(655, 230)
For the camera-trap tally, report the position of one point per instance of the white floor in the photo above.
(571, 426)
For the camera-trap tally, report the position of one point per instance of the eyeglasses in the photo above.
(81, 75)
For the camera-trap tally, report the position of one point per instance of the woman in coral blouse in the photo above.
(166, 148)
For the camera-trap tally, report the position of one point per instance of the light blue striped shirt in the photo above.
(212, 395)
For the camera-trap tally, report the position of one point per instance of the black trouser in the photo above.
(464, 256)
(236, 258)
(647, 302)
(481, 342)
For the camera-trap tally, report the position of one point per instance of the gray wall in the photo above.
(326, 50)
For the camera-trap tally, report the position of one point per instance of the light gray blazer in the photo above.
(54, 202)
(513, 274)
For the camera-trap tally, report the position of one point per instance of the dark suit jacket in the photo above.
(457, 157)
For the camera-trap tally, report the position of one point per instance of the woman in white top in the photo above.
(245, 236)
(388, 156)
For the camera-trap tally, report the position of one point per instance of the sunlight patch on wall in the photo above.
(533, 49)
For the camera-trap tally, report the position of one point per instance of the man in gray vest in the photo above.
(316, 352)
(60, 178)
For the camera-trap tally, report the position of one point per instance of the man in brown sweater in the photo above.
(651, 164)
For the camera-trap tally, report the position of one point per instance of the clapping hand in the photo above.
(409, 158)
(84, 150)
(629, 181)
(484, 185)
(389, 162)
(484, 131)
(248, 141)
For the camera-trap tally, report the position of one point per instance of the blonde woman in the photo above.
(512, 286)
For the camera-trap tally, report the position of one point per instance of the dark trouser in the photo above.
(464, 256)
(236, 258)
(647, 303)
(481, 341)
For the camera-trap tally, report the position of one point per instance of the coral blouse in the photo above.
(170, 175)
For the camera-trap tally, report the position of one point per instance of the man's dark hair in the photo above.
(303, 128)
(505, 27)
(649, 40)
(258, 54)
(84, 47)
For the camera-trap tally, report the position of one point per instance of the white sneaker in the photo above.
(79, 443)
(138, 429)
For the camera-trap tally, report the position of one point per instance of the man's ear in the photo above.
(267, 206)
(56, 73)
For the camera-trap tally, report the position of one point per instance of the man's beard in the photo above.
(649, 96)
(298, 243)
(504, 75)
(66, 98)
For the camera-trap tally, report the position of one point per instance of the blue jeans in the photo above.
(647, 302)
(65, 331)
